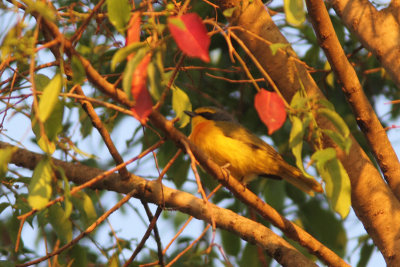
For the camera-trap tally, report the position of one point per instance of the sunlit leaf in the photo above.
(271, 109)
(275, 47)
(5, 158)
(125, 52)
(294, 11)
(190, 34)
(337, 181)
(343, 143)
(337, 121)
(119, 13)
(330, 79)
(181, 103)
(49, 97)
(229, 11)
(85, 206)
(40, 185)
(42, 8)
(296, 141)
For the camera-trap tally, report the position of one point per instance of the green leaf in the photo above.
(78, 71)
(229, 11)
(337, 181)
(6, 263)
(177, 22)
(296, 141)
(337, 121)
(274, 193)
(343, 143)
(85, 206)
(49, 98)
(41, 81)
(294, 11)
(322, 156)
(40, 185)
(155, 71)
(326, 103)
(5, 158)
(178, 171)
(230, 243)
(180, 103)
(113, 262)
(67, 193)
(298, 101)
(60, 223)
(80, 256)
(330, 79)
(337, 187)
(250, 257)
(324, 225)
(365, 254)
(42, 8)
(119, 12)
(124, 52)
(275, 47)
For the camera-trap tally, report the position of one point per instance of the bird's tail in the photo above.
(298, 179)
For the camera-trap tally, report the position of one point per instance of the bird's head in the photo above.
(209, 113)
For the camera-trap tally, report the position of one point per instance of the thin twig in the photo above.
(84, 233)
(145, 237)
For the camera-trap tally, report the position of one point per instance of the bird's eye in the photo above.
(206, 115)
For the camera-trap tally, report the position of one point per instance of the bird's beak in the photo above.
(190, 113)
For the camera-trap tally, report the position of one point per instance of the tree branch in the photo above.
(378, 31)
(151, 191)
(364, 113)
(381, 206)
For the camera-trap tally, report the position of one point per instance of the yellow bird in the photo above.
(228, 143)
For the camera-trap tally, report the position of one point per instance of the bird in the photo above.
(245, 155)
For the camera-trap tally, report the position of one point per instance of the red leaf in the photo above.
(133, 33)
(190, 34)
(144, 103)
(271, 109)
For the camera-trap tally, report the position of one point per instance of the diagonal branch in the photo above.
(151, 191)
(365, 115)
(378, 31)
(372, 200)
(362, 109)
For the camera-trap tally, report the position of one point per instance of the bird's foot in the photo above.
(225, 169)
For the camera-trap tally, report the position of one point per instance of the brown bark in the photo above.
(372, 200)
(378, 31)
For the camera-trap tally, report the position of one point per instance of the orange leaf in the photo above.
(133, 33)
(271, 109)
(144, 103)
(190, 34)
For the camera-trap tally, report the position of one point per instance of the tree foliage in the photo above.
(94, 156)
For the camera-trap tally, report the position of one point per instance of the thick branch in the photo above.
(378, 31)
(151, 191)
(372, 200)
(365, 115)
